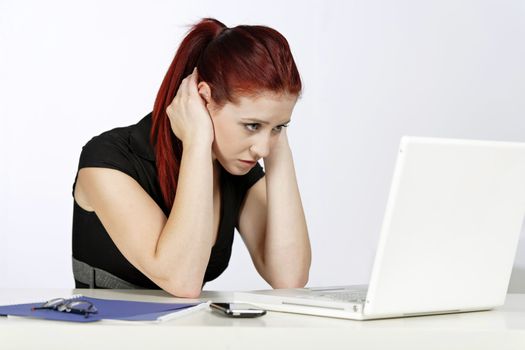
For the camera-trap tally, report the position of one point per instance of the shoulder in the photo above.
(125, 149)
(119, 148)
(108, 141)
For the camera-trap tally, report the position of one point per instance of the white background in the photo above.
(372, 71)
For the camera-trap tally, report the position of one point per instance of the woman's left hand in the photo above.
(280, 150)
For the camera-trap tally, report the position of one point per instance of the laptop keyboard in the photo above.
(347, 296)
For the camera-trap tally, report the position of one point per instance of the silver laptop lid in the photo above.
(451, 227)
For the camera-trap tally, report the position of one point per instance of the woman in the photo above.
(156, 203)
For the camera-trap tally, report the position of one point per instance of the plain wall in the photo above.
(372, 72)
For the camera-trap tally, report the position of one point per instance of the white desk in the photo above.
(502, 328)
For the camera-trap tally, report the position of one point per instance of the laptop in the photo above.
(448, 239)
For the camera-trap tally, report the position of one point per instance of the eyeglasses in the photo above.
(81, 307)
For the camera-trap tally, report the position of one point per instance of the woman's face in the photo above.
(249, 129)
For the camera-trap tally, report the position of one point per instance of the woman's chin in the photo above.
(237, 168)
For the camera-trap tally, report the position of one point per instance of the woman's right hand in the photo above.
(189, 117)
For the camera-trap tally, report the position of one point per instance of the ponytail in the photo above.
(168, 148)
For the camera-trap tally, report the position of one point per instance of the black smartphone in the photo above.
(239, 310)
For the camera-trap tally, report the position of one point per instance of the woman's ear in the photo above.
(205, 92)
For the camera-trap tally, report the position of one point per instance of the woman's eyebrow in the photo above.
(261, 121)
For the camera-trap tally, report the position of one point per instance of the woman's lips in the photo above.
(248, 162)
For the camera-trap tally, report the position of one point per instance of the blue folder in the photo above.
(107, 309)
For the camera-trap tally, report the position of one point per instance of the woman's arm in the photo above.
(173, 252)
(272, 222)
(184, 246)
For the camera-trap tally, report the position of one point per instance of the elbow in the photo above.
(189, 294)
(180, 284)
(185, 290)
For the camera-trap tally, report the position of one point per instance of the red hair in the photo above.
(244, 60)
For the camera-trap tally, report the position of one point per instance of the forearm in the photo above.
(185, 243)
(287, 254)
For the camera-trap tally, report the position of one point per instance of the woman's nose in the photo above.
(261, 148)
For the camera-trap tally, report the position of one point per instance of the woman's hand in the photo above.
(189, 118)
(280, 150)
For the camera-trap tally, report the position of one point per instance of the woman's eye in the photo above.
(280, 128)
(252, 127)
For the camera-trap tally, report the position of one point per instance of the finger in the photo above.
(192, 83)
(183, 88)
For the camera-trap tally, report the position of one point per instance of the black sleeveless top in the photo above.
(128, 150)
